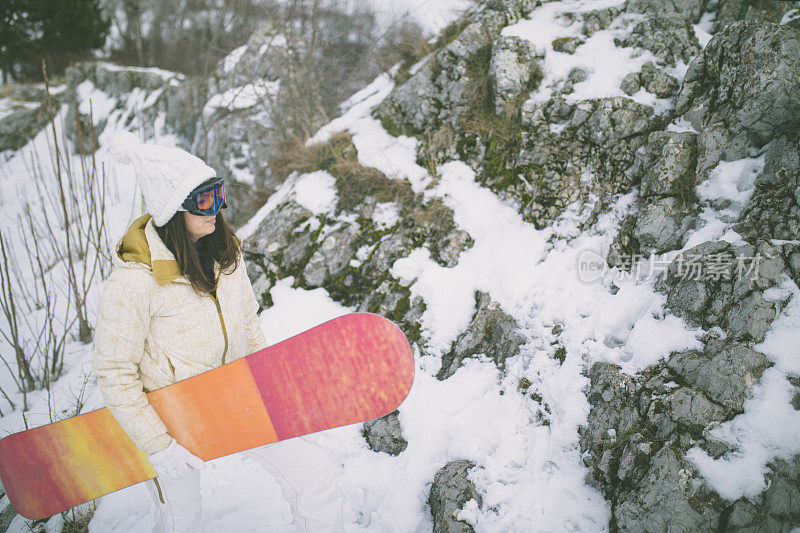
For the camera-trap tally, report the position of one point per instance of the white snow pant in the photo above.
(303, 470)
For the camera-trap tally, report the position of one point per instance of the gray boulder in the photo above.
(598, 19)
(451, 489)
(716, 284)
(567, 44)
(724, 372)
(662, 224)
(741, 91)
(669, 36)
(272, 237)
(439, 92)
(512, 69)
(692, 409)
(691, 9)
(662, 502)
(774, 209)
(630, 84)
(728, 11)
(491, 332)
(667, 165)
(384, 434)
(656, 81)
(666, 168)
(332, 256)
(613, 397)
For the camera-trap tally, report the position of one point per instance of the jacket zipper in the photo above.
(222, 322)
(158, 487)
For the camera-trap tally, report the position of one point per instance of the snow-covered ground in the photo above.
(530, 472)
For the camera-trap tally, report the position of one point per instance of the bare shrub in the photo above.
(189, 36)
(56, 257)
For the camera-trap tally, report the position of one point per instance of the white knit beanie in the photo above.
(165, 175)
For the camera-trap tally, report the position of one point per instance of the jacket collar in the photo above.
(141, 244)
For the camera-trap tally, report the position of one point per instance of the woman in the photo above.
(177, 304)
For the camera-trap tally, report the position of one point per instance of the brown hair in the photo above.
(196, 259)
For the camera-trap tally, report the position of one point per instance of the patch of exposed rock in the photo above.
(774, 208)
(439, 92)
(384, 434)
(451, 489)
(669, 36)
(346, 252)
(741, 91)
(640, 427)
(717, 284)
(491, 332)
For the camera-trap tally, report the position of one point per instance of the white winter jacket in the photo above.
(154, 329)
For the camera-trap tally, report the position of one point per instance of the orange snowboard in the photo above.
(351, 369)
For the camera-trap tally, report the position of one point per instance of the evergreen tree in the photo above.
(58, 31)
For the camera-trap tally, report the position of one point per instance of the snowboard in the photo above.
(350, 369)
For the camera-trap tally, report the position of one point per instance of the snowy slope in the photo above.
(530, 474)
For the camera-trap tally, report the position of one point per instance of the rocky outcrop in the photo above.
(491, 332)
(384, 434)
(728, 11)
(724, 372)
(451, 489)
(512, 70)
(439, 92)
(669, 36)
(717, 284)
(665, 170)
(653, 80)
(22, 125)
(692, 10)
(640, 427)
(130, 86)
(774, 209)
(740, 92)
(346, 252)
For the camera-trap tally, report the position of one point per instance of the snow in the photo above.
(724, 194)
(316, 192)
(432, 15)
(469, 513)
(229, 61)
(605, 63)
(790, 15)
(164, 74)
(394, 156)
(386, 215)
(244, 97)
(769, 428)
(514, 247)
(524, 442)
(94, 100)
(703, 29)
(732, 180)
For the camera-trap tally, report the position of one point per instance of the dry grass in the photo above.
(435, 217)
(339, 157)
(77, 520)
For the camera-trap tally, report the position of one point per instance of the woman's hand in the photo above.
(174, 461)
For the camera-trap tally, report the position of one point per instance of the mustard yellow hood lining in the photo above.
(135, 248)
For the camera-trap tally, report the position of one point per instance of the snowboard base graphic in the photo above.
(350, 369)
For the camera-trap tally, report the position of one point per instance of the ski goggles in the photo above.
(206, 199)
